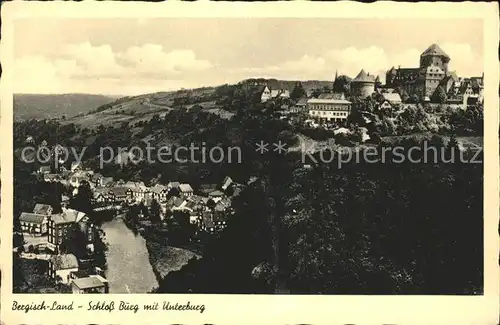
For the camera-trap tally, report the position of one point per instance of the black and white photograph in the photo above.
(264, 156)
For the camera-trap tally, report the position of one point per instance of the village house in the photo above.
(136, 191)
(223, 205)
(34, 224)
(215, 194)
(211, 222)
(100, 197)
(159, 192)
(29, 140)
(335, 109)
(77, 178)
(90, 284)
(301, 104)
(42, 209)
(51, 178)
(176, 203)
(204, 189)
(60, 223)
(61, 266)
(391, 100)
(44, 170)
(96, 179)
(185, 190)
(118, 194)
(172, 185)
(206, 222)
(265, 94)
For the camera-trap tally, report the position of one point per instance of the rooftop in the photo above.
(93, 281)
(119, 190)
(158, 188)
(216, 193)
(68, 216)
(327, 101)
(434, 50)
(32, 217)
(185, 188)
(364, 77)
(41, 208)
(392, 97)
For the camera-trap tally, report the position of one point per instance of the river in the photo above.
(129, 270)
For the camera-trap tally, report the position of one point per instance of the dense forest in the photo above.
(361, 229)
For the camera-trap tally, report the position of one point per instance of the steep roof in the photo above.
(392, 97)
(41, 209)
(216, 193)
(434, 50)
(363, 77)
(331, 96)
(64, 261)
(68, 216)
(173, 184)
(32, 217)
(119, 190)
(185, 188)
(175, 201)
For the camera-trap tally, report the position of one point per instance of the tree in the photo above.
(298, 91)
(17, 240)
(403, 94)
(316, 92)
(133, 214)
(174, 191)
(83, 199)
(211, 204)
(144, 210)
(75, 242)
(439, 95)
(155, 212)
(341, 84)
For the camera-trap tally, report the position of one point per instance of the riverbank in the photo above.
(129, 270)
(162, 257)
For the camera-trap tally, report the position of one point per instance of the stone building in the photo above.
(424, 80)
(363, 85)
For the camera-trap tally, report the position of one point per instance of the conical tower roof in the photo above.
(434, 50)
(363, 77)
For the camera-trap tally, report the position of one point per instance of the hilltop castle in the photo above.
(432, 73)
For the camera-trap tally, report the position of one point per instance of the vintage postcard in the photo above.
(233, 163)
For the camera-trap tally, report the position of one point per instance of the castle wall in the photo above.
(362, 89)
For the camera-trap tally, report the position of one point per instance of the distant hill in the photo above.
(138, 109)
(308, 85)
(27, 106)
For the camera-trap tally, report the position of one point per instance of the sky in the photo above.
(125, 56)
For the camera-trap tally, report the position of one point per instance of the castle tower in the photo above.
(434, 56)
(363, 85)
(433, 68)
